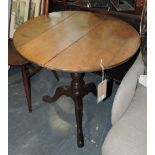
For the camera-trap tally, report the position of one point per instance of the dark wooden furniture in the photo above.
(134, 19)
(75, 42)
(124, 5)
(14, 58)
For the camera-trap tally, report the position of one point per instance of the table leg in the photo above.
(77, 87)
(62, 90)
(27, 86)
(76, 91)
(78, 114)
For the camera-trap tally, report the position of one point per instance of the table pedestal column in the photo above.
(76, 91)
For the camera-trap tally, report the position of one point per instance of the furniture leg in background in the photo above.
(26, 68)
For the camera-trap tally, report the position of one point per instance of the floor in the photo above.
(51, 129)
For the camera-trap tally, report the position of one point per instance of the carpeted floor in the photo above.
(51, 128)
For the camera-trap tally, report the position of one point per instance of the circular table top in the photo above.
(76, 41)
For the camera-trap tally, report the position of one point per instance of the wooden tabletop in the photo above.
(76, 41)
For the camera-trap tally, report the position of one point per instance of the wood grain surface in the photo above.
(75, 41)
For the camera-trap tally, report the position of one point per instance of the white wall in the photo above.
(9, 5)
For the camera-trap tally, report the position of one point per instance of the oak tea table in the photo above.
(75, 42)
